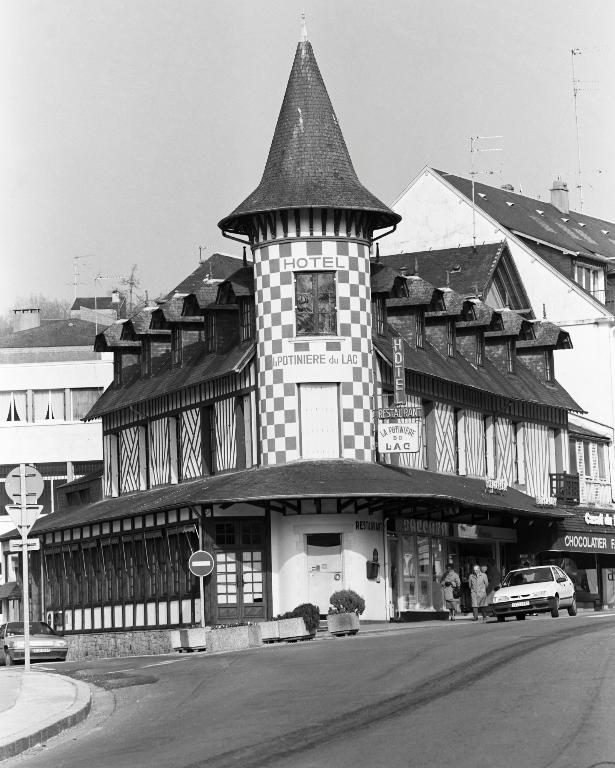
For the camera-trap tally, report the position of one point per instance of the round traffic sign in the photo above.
(201, 563)
(34, 484)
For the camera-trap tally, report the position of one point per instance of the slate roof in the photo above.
(308, 163)
(550, 226)
(546, 334)
(71, 332)
(304, 480)
(420, 293)
(477, 266)
(512, 324)
(218, 266)
(522, 385)
(382, 277)
(484, 316)
(199, 366)
(98, 303)
(242, 281)
(111, 338)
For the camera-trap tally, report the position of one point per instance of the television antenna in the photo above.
(577, 87)
(475, 147)
(76, 273)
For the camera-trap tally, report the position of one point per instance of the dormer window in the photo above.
(246, 308)
(210, 331)
(177, 349)
(549, 372)
(146, 358)
(420, 329)
(510, 356)
(480, 348)
(378, 314)
(450, 338)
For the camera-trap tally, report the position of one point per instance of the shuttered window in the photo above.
(320, 423)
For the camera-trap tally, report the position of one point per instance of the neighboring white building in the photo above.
(563, 258)
(49, 379)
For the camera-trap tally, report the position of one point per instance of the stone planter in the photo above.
(340, 624)
(194, 639)
(233, 638)
(269, 631)
(293, 629)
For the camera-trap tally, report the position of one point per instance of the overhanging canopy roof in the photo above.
(307, 480)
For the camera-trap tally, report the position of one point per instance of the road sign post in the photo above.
(24, 484)
(201, 564)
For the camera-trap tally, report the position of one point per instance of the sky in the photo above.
(128, 129)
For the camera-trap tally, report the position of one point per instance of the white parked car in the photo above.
(45, 643)
(544, 588)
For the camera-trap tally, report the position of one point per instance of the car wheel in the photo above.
(520, 617)
(572, 610)
(8, 659)
(555, 607)
(501, 618)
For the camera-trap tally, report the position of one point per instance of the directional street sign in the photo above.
(24, 519)
(17, 545)
(201, 563)
(35, 485)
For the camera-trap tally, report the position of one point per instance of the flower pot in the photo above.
(343, 623)
(269, 631)
(233, 638)
(293, 629)
(194, 639)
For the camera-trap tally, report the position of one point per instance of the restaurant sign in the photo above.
(581, 542)
(398, 437)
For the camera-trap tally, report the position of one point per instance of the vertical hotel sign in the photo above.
(398, 427)
(399, 371)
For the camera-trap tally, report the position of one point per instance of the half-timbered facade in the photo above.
(316, 419)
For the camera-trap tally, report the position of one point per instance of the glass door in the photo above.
(240, 571)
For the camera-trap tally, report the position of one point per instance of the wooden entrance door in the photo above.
(240, 570)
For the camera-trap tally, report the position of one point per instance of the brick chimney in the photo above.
(23, 319)
(559, 196)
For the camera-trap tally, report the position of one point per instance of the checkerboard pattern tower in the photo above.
(310, 214)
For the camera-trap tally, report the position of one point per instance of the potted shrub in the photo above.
(343, 616)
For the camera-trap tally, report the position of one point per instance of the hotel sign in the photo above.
(399, 371)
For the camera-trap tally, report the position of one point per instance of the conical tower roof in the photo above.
(308, 164)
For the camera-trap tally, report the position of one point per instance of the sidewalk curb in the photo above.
(78, 712)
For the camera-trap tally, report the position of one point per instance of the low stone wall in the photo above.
(143, 642)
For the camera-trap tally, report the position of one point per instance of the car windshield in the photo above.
(528, 576)
(36, 628)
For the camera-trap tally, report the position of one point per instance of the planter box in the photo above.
(233, 638)
(343, 623)
(269, 631)
(293, 629)
(194, 639)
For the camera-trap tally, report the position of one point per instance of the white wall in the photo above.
(69, 374)
(289, 560)
(51, 441)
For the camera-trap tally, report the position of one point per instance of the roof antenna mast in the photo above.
(576, 87)
(304, 35)
(474, 148)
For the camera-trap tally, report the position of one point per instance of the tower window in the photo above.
(315, 303)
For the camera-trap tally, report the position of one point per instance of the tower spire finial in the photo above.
(304, 35)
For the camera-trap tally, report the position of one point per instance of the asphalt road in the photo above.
(533, 694)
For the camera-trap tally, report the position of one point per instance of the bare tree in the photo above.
(131, 283)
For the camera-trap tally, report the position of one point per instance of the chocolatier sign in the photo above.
(589, 540)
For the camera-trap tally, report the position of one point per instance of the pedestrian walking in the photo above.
(451, 584)
(479, 584)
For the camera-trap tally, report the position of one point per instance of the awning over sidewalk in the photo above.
(307, 480)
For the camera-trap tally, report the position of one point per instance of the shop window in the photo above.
(251, 534)
(602, 461)
(315, 303)
(225, 534)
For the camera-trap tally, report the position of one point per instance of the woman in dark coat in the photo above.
(451, 581)
(479, 584)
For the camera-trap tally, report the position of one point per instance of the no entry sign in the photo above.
(201, 563)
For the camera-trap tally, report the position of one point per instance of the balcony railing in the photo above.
(565, 487)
